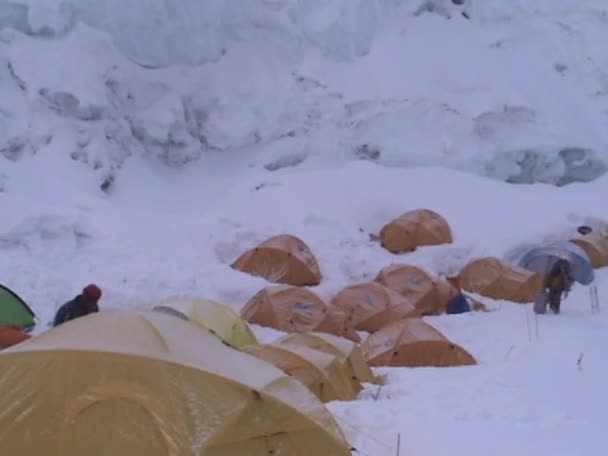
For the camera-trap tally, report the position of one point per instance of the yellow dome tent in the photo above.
(348, 352)
(321, 372)
(215, 316)
(123, 382)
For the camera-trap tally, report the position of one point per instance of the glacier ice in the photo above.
(556, 166)
(14, 15)
(342, 28)
(159, 33)
(298, 82)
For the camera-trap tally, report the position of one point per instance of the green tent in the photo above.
(13, 310)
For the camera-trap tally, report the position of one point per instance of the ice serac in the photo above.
(159, 33)
(307, 83)
(343, 28)
(556, 166)
(13, 15)
(152, 33)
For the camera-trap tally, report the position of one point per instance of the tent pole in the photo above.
(594, 300)
(528, 325)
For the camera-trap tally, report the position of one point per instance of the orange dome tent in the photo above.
(282, 259)
(294, 309)
(496, 279)
(413, 343)
(414, 229)
(595, 246)
(430, 295)
(370, 306)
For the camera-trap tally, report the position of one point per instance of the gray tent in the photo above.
(541, 258)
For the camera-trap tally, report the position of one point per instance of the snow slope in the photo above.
(165, 235)
(203, 162)
(528, 396)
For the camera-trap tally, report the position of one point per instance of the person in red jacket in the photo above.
(83, 304)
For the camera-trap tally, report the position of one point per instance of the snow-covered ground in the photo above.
(529, 395)
(324, 120)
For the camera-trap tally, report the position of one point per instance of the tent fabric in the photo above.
(542, 258)
(497, 279)
(458, 304)
(429, 294)
(217, 317)
(413, 343)
(12, 335)
(295, 309)
(145, 383)
(319, 371)
(348, 352)
(14, 310)
(369, 306)
(414, 229)
(283, 259)
(595, 246)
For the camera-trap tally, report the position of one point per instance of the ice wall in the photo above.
(158, 33)
(512, 90)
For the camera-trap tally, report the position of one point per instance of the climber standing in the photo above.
(557, 284)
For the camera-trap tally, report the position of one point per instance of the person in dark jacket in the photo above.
(83, 304)
(558, 282)
(458, 304)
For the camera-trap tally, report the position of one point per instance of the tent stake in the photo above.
(528, 325)
(593, 299)
(377, 395)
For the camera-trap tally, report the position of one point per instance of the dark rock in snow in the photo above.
(367, 152)
(285, 161)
